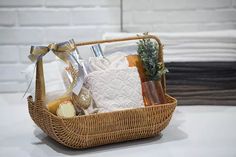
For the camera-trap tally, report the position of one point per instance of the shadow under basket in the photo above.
(103, 128)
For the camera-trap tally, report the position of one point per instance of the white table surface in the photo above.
(193, 131)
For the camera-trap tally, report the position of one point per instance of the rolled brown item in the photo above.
(160, 92)
(153, 93)
(146, 93)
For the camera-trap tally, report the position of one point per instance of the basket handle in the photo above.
(40, 83)
(40, 91)
(160, 46)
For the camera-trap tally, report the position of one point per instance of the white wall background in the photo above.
(36, 22)
(179, 15)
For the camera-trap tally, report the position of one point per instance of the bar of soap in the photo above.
(53, 105)
(66, 110)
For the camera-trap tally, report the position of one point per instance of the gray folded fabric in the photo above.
(202, 83)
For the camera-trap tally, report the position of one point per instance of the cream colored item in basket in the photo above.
(114, 61)
(116, 89)
(66, 110)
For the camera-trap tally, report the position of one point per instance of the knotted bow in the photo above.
(64, 52)
(61, 50)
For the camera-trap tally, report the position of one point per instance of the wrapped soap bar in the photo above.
(53, 105)
(66, 110)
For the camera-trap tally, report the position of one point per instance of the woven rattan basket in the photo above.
(103, 128)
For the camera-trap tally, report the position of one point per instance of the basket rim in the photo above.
(173, 102)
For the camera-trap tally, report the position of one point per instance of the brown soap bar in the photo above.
(134, 60)
(160, 92)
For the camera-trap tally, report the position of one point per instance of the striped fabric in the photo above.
(202, 83)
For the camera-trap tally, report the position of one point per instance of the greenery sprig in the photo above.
(148, 52)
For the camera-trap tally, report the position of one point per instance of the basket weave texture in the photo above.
(103, 128)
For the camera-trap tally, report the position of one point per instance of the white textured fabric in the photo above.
(114, 61)
(115, 89)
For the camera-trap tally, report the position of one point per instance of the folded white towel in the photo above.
(114, 61)
(115, 89)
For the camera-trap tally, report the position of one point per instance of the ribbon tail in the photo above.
(31, 80)
(77, 81)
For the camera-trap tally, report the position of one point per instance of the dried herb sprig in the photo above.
(148, 52)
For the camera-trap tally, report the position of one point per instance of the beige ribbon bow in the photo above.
(61, 50)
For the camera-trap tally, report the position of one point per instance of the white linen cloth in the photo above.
(115, 89)
(114, 61)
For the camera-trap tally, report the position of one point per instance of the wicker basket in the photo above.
(103, 128)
